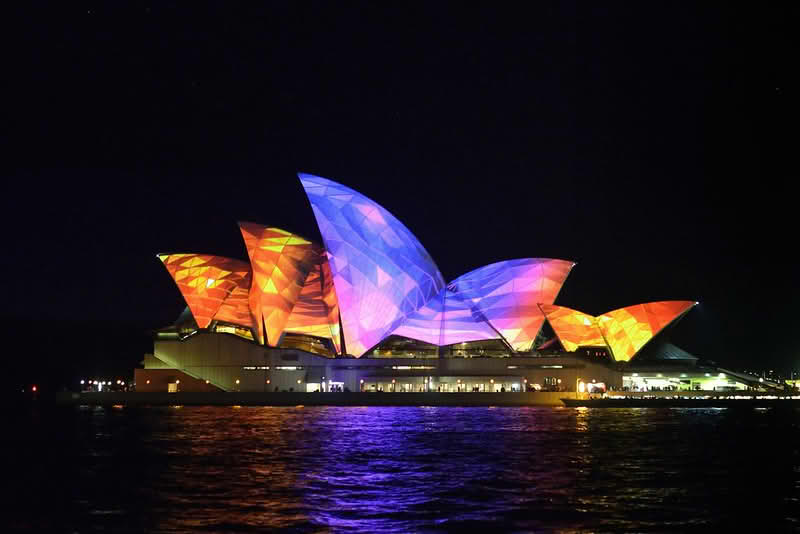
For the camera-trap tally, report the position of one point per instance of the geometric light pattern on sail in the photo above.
(446, 319)
(205, 281)
(236, 308)
(380, 271)
(627, 330)
(574, 329)
(280, 262)
(316, 312)
(507, 295)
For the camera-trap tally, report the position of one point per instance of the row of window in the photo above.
(277, 368)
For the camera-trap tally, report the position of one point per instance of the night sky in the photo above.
(652, 143)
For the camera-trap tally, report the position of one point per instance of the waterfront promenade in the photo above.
(623, 400)
(311, 399)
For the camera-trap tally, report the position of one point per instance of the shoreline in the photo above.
(309, 399)
(510, 399)
(685, 402)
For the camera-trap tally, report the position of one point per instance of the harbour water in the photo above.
(401, 469)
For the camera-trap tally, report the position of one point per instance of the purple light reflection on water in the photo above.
(397, 477)
(403, 469)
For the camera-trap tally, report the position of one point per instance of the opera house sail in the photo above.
(624, 331)
(381, 272)
(206, 282)
(498, 301)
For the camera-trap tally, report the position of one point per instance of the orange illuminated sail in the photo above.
(627, 330)
(281, 261)
(624, 331)
(574, 329)
(316, 312)
(205, 281)
(236, 308)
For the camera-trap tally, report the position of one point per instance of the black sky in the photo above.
(653, 143)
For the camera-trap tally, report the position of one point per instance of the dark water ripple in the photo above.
(402, 470)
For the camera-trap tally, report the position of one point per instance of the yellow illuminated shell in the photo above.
(624, 331)
(206, 281)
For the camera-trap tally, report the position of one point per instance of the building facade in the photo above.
(230, 363)
(368, 310)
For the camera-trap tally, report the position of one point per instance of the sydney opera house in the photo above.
(368, 310)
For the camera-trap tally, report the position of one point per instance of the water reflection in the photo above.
(412, 469)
